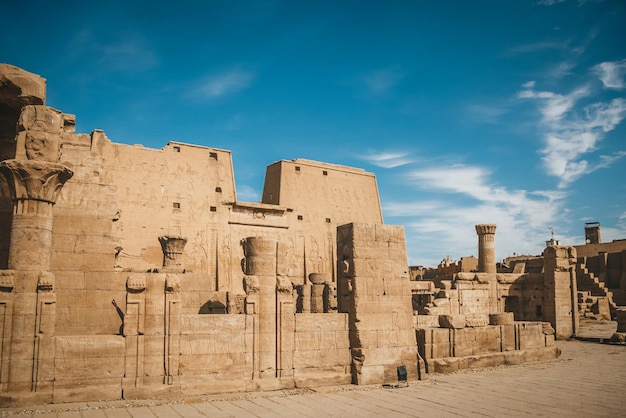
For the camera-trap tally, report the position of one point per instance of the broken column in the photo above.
(260, 263)
(318, 288)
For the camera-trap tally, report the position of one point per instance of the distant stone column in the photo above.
(173, 247)
(34, 187)
(486, 248)
(622, 283)
(260, 262)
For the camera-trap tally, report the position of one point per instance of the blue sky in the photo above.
(506, 112)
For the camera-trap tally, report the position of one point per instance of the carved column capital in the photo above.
(173, 247)
(35, 180)
(486, 229)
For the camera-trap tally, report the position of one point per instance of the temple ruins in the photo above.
(128, 272)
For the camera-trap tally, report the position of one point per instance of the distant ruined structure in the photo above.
(128, 272)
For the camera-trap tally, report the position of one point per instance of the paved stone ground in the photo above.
(589, 379)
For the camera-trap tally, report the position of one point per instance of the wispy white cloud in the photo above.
(130, 52)
(611, 73)
(234, 122)
(387, 159)
(381, 82)
(549, 2)
(225, 83)
(486, 113)
(555, 105)
(560, 70)
(571, 131)
(522, 216)
(547, 45)
(247, 194)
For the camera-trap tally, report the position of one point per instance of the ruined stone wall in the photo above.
(522, 295)
(373, 288)
(560, 307)
(447, 350)
(590, 250)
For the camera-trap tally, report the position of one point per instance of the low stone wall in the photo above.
(447, 349)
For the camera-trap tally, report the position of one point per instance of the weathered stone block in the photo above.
(507, 337)
(452, 321)
(476, 319)
(371, 374)
(462, 348)
(503, 318)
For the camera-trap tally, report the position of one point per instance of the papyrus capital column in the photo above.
(486, 248)
(34, 187)
(173, 247)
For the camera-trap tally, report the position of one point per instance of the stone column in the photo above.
(34, 187)
(622, 282)
(172, 247)
(260, 262)
(486, 248)
(318, 289)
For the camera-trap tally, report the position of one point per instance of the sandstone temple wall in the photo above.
(128, 272)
